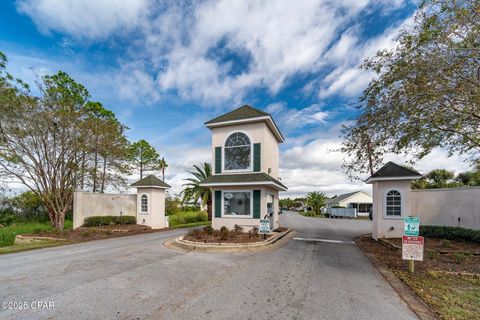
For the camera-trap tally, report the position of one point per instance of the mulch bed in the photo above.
(458, 260)
(441, 245)
(97, 233)
(216, 237)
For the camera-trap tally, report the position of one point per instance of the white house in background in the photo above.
(359, 200)
(245, 183)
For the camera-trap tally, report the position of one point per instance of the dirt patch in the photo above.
(97, 233)
(442, 245)
(209, 235)
(459, 261)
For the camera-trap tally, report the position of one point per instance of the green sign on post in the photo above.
(411, 226)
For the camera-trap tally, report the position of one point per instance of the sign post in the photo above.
(264, 227)
(412, 243)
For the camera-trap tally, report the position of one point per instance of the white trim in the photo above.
(392, 178)
(323, 240)
(402, 205)
(148, 205)
(250, 216)
(271, 124)
(250, 167)
(257, 183)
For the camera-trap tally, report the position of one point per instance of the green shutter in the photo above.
(256, 204)
(218, 204)
(218, 159)
(257, 150)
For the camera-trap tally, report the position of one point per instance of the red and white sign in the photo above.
(412, 248)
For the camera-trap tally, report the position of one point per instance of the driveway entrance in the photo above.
(137, 277)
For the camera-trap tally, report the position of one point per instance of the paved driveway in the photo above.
(137, 278)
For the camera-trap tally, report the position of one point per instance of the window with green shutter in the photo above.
(256, 204)
(218, 159)
(257, 151)
(218, 204)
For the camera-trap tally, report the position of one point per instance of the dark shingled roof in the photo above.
(392, 169)
(150, 181)
(242, 177)
(244, 112)
(341, 197)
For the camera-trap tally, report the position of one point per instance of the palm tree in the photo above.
(316, 200)
(193, 190)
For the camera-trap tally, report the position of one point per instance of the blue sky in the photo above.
(166, 67)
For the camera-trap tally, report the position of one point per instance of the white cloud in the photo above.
(348, 53)
(296, 118)
(274, 40)
(92, 19)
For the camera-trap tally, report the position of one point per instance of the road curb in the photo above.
(413, 301)
(271, 243)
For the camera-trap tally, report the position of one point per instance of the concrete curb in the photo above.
(414, 302)
(271, 243)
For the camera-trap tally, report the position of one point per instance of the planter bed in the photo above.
(88, 233)
(249, 244)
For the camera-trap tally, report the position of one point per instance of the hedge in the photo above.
(451, 233)
(96, 221)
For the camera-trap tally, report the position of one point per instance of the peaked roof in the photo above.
(344, 196)
(245, 114)
(150, 181)
(391, 170)
(259, 178)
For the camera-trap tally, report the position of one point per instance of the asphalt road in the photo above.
(138, 278)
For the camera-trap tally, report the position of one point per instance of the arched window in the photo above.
(394, 203)
(238, 152)
(144, 203)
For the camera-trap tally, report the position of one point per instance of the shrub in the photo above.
(451, 233)
(224, 233)
(96, 221)
(238, 229)
(6, 217)
(208, 230)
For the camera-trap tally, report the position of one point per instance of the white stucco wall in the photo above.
(443, 207)
(155, 217)
(389, 227)
(258, 133)
(86, 204)
(248, 223)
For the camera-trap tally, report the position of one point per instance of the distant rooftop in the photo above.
(343, 197)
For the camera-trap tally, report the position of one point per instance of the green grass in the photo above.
(191, 225)
(182, 218)
(30, 246)
(8, 234)
(452, 296)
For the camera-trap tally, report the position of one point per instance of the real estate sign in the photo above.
(264, 226)
(411, 226)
